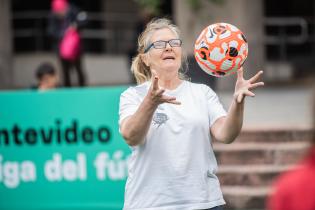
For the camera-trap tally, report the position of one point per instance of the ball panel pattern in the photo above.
(221, 49)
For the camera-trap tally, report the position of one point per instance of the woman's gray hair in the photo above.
(142, 72)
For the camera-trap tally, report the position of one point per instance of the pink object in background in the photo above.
(59, 5)
(70, 44)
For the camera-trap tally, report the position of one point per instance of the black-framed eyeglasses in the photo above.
(162, 44)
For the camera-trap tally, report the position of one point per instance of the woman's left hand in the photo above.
(244, 87)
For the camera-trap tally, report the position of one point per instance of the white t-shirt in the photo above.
(175, 167)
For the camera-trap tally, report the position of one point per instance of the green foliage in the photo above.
(196, 4)
(152, 6)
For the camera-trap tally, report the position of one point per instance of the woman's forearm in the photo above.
(135, 128)
(232, 124)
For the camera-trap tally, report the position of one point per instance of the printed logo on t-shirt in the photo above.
(160, 118)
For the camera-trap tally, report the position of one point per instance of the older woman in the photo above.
(169, 123)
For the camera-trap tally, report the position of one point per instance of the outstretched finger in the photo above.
(175, 102)
(249, 93)
(155, 82)
(255, 85)
(240, 73)
(240, 97)
(171, 100)
(256, 77)
(160, 92)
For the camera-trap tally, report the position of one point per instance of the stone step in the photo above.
(275, 134)
(260, 153)
(248, 166)
(249, 175)
(239, 197)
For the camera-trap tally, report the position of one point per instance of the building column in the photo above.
(247, 15)
(6, 73)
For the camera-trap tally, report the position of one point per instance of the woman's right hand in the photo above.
(135, 127)
(155, 95)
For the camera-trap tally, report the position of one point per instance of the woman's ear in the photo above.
(145, 59)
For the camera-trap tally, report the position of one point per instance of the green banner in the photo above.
(61, 149)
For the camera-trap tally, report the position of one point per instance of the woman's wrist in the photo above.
(149, 103)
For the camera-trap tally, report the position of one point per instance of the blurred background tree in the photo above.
(196, 4)
(152, 6)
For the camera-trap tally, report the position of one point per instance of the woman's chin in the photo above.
(170, 67)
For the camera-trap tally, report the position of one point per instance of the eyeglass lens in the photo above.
(162, 44)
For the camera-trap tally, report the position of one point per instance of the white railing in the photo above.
(282, 38)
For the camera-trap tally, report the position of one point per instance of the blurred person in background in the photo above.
(65, 21)
(46, 76)
(295, 189)
(170, 123)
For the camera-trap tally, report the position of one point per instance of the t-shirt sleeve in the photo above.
(215, 108)
(128, 104)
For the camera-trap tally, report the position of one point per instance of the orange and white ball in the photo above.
(221, 49)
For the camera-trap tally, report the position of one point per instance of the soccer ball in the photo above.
(221, 49)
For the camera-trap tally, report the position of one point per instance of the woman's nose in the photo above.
(168, 47)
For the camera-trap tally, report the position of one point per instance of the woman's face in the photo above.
(164, 59)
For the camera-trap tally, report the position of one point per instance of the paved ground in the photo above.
(275, 107)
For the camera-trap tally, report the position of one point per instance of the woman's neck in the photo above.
(169, 83)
